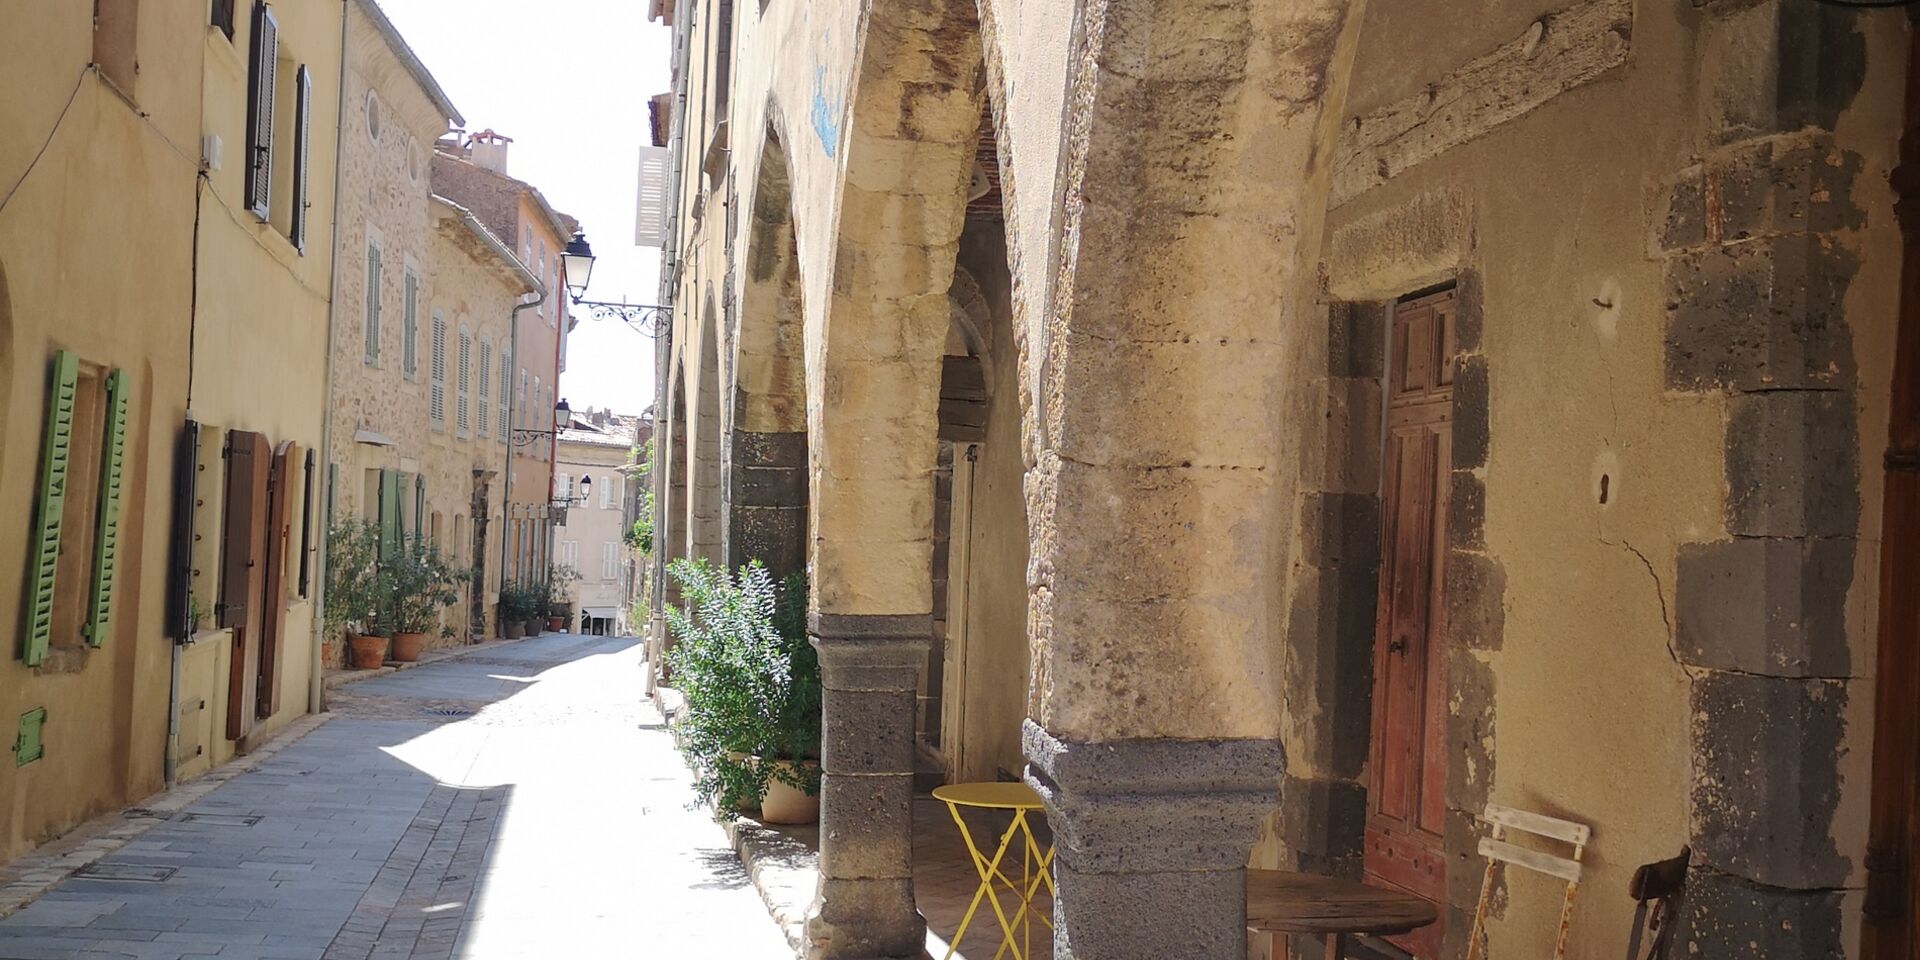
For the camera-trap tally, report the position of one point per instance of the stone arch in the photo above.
(704, 493)
(672, 537)
(767, 440)
(874, 360)
(1168, 405)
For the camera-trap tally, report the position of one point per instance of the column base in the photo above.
(1151, 840)
(865, 920)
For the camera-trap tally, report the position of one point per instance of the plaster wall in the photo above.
(96, 257)
(1595, 470)
(261, 320)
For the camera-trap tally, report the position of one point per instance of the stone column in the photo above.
(1151, 840)
(868, 665)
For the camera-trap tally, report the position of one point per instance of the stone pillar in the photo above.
(766, 505)
(868, 665)
(1151, 840)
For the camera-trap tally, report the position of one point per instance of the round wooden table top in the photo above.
(1281, 901)
(992, 795)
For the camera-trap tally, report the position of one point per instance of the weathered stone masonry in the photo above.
(1756, 239)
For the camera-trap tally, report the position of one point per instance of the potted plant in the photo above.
(559, 599)
(515, 606)
(419, 583)
(354, 584)
(538, 601)
(751, 728)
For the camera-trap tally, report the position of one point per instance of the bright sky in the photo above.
(568, 80)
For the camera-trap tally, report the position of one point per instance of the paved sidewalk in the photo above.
(521, 802)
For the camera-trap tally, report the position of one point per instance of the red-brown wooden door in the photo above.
(1406, 798)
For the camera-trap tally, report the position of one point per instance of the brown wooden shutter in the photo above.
(273, 602)
(242, 572)
(265, 62)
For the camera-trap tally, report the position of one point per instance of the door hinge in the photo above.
(1886, 900)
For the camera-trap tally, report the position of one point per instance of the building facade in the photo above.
(590, 533)
(1280, 431)
(473, 173)
(165, 260)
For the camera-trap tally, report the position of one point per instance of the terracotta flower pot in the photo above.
(556, 624)
(534, 627)
(513, 629)
(368, 652)
(407, 646)
(787, 804)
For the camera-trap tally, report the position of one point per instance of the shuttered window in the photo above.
(486, 386)
(410, 327)
(263, 64)
(563, 486)
(419, 507)
(389, 512)
(500, 388)
(437, 393)
(373, 301)
(463, 395)
(302, 145)
(106, 537)
(609, 491)
(56, 450)
(609, 560)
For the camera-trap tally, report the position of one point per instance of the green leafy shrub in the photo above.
(751, 679)
(516, 602)
(418, 583)
(354, 589)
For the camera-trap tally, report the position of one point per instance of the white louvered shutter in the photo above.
(265, 63)
(463, 396)
(302, 146)
(410, 328)
(486, 387)
(374, 271)
(500, 387)
(609, 560)
(437, 402)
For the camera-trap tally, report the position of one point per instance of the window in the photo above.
(609, 560)
(500, 387)
(486, 386)
(563, 486)
(263, 71)
(526, 244)
(223, 17)
(568, 554)
(373, 117)
(463, 395)
(609, 491)
(299, 203)
(373, 301)
(437, 392)
(553, 294)
(75, 545)
(410, 326)
(540, 270)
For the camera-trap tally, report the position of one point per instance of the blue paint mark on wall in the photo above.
(825, 112)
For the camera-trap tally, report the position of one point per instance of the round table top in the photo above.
(994, 795)
(1280, 901)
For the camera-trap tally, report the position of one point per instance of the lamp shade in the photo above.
(578, 261)
(562, 415)
(586, 486)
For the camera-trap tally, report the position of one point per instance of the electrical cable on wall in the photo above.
(58, 122)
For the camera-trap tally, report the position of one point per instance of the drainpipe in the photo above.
(316, 681)
(506, 477)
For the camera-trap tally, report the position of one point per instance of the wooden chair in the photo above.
(1498, 850)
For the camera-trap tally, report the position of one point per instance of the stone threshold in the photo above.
(27, 878)
(345, 675)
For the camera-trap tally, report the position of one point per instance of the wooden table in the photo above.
(1280, 901)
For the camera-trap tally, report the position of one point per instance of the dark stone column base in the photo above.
(869, 666)
(1151, 840)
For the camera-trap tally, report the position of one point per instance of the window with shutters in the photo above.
(299, 204)
(484, 402)
(540, 270)
(463, 394)
(609, 560)
(563, 486)
(222, 17)
(500, 388)
(410, 325)
(609, 492)
(374, 270)
(437, 364)
(263, 67)
(520, 404)
(75, 548)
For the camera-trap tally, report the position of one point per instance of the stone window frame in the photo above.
(373, 117)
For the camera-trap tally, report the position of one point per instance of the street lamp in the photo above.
(586, 491)
(577, 259)
(562, 417)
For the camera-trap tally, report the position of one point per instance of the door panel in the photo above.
(1406, 818)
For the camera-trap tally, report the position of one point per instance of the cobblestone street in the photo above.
(523, 801)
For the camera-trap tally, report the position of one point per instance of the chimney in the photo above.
(489, 150)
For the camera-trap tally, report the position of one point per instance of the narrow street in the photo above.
(523, 801)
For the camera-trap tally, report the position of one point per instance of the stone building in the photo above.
(427, 294)
(589, 535)
(1279, 430)
(472, 171)
(164, 270)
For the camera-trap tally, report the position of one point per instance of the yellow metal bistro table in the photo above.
(1034, 862)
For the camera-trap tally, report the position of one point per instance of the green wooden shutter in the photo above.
(106, 540)
(389, 512)
(55, 451)
(419, 507)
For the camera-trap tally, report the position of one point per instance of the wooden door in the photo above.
(1891, 930)
(242, 573)
(1406, 798)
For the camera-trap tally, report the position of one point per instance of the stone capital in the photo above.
(870, 651)
(1126, 806)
